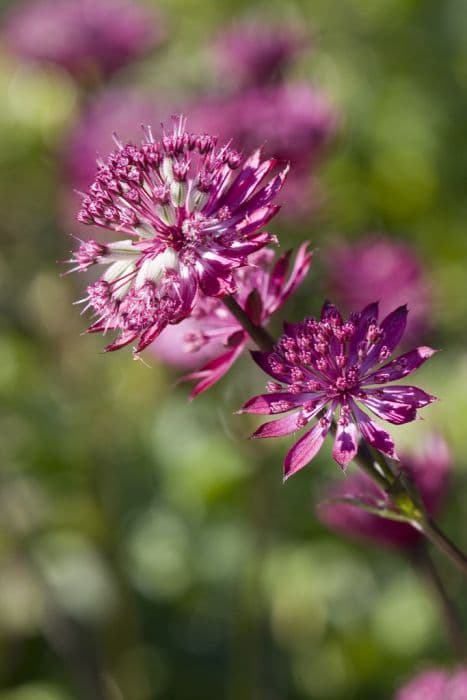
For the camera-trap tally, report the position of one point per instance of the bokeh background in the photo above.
(141, 536)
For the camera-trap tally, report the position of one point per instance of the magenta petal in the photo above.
(345, 443)
(369, 313)
(264, 195)
(213, 371)
(372, 433)
(279, 427)
(403, 394)
(278, 274)
(272, 364)
(393, 328)
(266, 404)
(299, 271)
(121, 340)
(150, 335)
(401, 366)
(392, 411)
(305, 449)
(248, 179)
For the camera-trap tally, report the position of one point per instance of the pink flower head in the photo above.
(254, 53)
(436, 684)
(320, 366)
(84, 37)
(378, 267)
(211, 331)
(429, 470)
(191, 213)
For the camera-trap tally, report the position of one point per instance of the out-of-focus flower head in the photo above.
(252, 53)
(191, 213)
(86, 38)
(436, 684)
(429, 470)
(295, 122)
(378, 267)
(320, 366)
(212, 333)
(126, 109)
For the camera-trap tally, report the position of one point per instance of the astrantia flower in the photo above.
(379, 267)
(329, 365)
(84, 37)
(263, 288)
(436, 684)
(187, 215)
(429, 471)
(254, 53)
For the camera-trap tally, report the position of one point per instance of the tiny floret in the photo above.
(331, 366)
(187, 214)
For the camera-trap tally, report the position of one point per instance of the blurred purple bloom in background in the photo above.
(294, 122)
(378, 267)
(429, 469)
(125, 109)
(211, 332)
(322, 365)
(436, 684)
(193, 213)
(87, 38)
(252, 53)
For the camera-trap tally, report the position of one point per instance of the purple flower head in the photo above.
(254, 53)
(187, 214)
(429, 470)
(212, 333)
(378, 267)
(295, 122)
(84, 37)
(126, 109)
(436, 684)
(322, 366)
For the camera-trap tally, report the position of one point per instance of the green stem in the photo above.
(426, 567)
(257, 333)
(433, 533)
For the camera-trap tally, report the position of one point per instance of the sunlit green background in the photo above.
(166, 541)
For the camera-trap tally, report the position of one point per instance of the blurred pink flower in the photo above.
(295, 122)
(378, 267)
(212, 333)
(429, 469)
(88, 38)
(252, 53)
(436, 684)
(191, 214)
(125, 110)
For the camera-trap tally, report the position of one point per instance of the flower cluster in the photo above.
(212, 331)
(320, 366)
(84, 37)
(436, 684)
(428, 470)
(192, 213)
